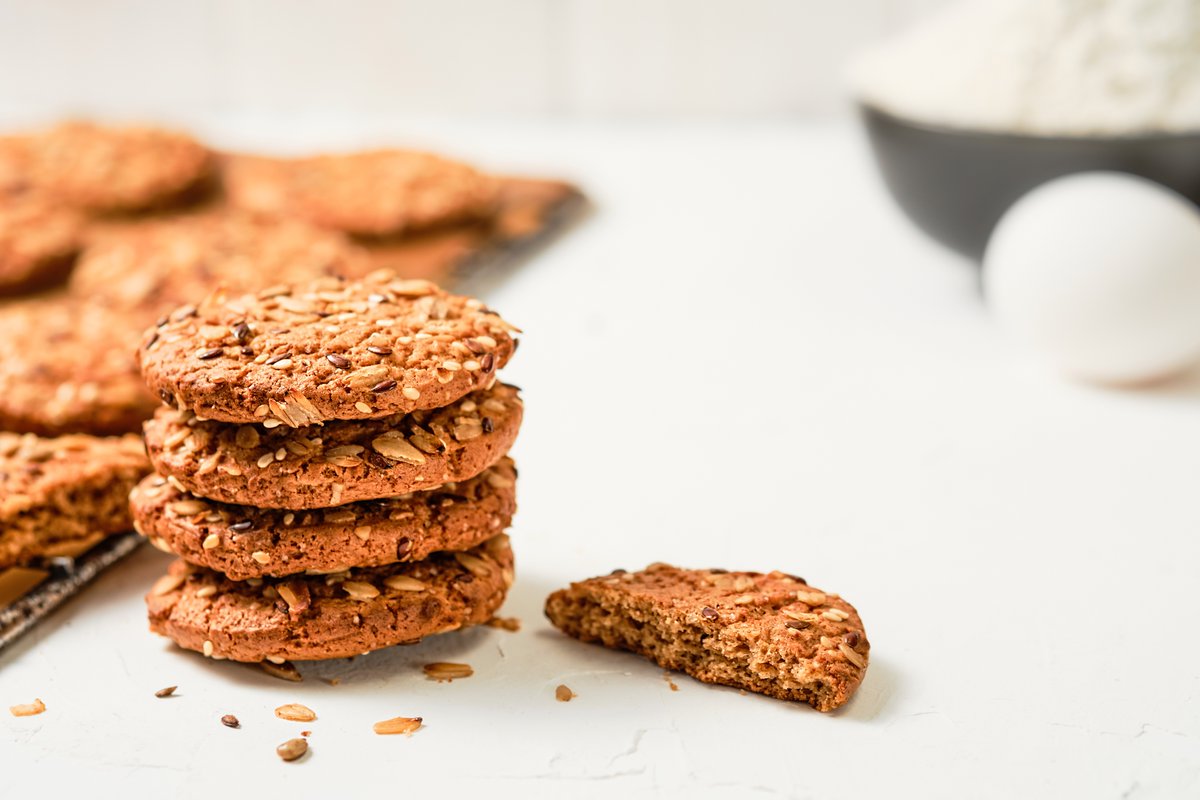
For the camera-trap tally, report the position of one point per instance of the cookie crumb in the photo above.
(167, 692)
(563, 693)
(230, 721)
(333, 681)
(292, 749)
(447, 671)
(510, 624)
(405, 725)
(667, 677)
(295, 712)
(28, 709)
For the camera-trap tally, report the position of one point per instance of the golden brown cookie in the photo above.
(153, 267)
(771, 634)
(116, 169)
(70, 366)
(327, 350)
(59, 496)
(334, 616)
(245, 542)
(39, 239)
(271, 465)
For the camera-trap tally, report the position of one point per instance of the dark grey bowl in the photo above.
(956, 184)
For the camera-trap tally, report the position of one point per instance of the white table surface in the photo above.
(743, 358)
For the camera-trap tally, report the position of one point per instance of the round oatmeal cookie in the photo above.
(60, 496)
(338, 615)
(270, 465)
(386, 192)
(245, 542)
(68, 365)
(116, 169)
(153, 267)
(326, 350)
(39, 240)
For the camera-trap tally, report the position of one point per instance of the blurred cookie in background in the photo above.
(68, 365)
(151, 267)
(108, 169)
(39, 240)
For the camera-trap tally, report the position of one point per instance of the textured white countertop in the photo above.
(743, 358)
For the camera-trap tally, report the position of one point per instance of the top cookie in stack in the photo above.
(333, 350)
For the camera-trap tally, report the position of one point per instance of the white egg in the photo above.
(1100, 272)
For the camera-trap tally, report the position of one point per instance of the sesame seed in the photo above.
(285, 363)
(411, 393)
(403, 583)
(212, 541)
(486, 341)
(265, 459)
(363, 407)
(271, 423)
(471, 365)
(451, 365)
(243, 525)
(206, 591)
(261, 557)
(208, 648)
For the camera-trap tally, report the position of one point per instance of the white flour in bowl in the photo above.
(1065, 67)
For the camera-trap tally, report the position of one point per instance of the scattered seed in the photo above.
(167, 692)
(284, 670)
(341, 362)
(230, 721)
(405, 725)
(28, 709)
(295, 712)
(563, 693)
(448, 671)
(292, 749)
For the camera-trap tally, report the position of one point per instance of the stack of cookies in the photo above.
(332, 468)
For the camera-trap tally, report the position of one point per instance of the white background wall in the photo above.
(172, 59)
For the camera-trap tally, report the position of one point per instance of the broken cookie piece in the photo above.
(766, 633)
